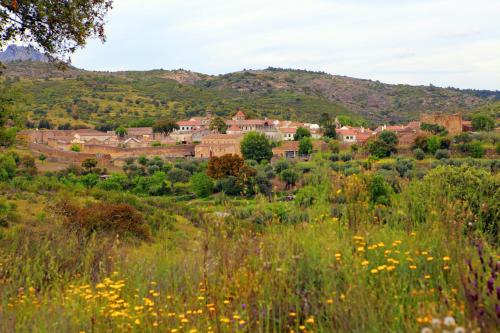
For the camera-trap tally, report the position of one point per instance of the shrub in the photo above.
(281, 164)
(306, 196)
(229, 186)
(301, 133)
(202, 185)
(113, 219)
(334, 146)
(290, 177)
(474, 149)
(442, 153)
(335, 157)
(404, 166)
(384, 145)
(178, 176)
(379, 190)
(346, 157)
(433, 144)
(224, 166)
(76, 148)
(8, 167)
(305, 146)
(419, 154)
(482, 122)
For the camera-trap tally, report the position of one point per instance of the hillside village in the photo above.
(193, 138)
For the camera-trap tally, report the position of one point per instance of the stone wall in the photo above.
(64, 156)
(117, 152)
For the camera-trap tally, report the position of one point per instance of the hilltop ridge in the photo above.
(96, 97)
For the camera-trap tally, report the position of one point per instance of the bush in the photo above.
(305, 146)
(281, 164)
(379, 190)
(334, 146)
(306, 196)
(8, 167)
(404, 166)
(202, 185)
(346, 157)
(474, 149)
(290, 177)
(419, 154)
(442, 153)
(229, 186)
(224, 166)
(384, 145)
(113, 219)
(76, 148)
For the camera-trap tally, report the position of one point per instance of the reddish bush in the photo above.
(120, 219)
(224, 166)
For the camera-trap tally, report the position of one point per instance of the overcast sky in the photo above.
(443, 42)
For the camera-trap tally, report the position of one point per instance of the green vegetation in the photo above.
(255, 146)
(329, 251)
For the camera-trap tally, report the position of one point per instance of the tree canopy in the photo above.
(255, 146)
(219, 125)
(301, 133)
(57, 27)
(165, 126)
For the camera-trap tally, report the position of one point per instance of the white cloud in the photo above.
(444, 42)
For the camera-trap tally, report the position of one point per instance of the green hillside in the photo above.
(137, 98)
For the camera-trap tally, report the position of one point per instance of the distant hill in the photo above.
(21, 53)
(137, 97)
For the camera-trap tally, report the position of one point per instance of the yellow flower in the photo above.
(446, 258)
(241, 322)
(430, 258)
(374, 271)
(292, 314)
(427, 276)
(413, 267)
(365, 263)
(360, 249)
(310, 320)
(137, 321)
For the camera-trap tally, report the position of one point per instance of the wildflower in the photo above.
(449, 321)
(365, 263)
(413, 267)
(427, 277)
(329, 301)
(310, 320)
(242, 322)
(137, 321)
(446, 268)
(292, 314)
(430, 258)
(436, 322)
(446, 258)
(374, 271)
(302, 327)
(459, 329)
(360, 249)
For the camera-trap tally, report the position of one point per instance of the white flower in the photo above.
(426, 330)
(460, 329)
(436, 323)
(449, 321)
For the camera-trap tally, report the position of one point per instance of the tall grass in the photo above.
(340, 264)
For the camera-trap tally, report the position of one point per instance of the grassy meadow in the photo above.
(349, 254)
